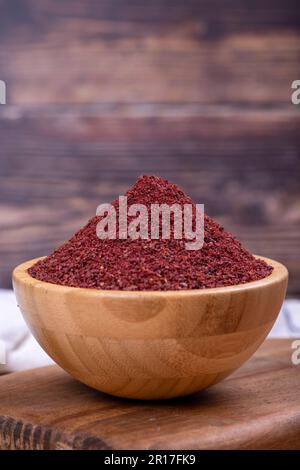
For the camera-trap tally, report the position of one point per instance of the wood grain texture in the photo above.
(57, 166)
(150, 345)
(258, 407)
(120, 51)
(101, 91)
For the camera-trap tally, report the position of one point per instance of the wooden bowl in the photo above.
(150, 345)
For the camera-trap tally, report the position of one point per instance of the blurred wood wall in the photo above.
(101, 91)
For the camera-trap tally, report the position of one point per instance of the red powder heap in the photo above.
(87, 261)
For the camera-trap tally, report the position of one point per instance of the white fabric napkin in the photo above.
(17, 345)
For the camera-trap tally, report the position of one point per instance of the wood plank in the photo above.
(220, 17)
(196, 51)
(244, 165)
(258, 407)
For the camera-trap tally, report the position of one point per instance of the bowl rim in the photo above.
(20, 275)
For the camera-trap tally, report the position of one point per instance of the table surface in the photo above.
(258, 407)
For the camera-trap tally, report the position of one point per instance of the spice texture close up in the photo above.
(150, 264)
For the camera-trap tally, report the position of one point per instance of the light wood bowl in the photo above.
(150, 345)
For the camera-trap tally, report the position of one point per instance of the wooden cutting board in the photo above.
(257, 407)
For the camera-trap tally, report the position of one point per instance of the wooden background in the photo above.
(101, 91)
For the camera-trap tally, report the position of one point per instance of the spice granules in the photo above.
(87, 261)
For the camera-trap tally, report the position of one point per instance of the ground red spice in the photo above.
(87, 261)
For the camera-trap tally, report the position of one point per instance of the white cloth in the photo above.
(23, 352)
(18, 349)
(288, 322)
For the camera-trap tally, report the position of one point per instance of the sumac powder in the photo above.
(87, 261)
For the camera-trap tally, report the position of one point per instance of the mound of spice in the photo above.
(147, 264)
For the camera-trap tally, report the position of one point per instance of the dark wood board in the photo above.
(170, 51)
(258, 407)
